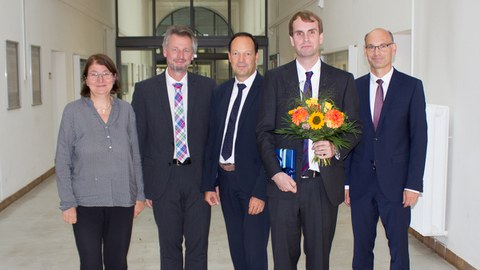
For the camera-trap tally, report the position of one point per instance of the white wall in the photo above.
(445, 55)
(27, 135)
(447, 58)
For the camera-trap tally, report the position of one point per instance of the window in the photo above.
(36, 76)
(12, 76)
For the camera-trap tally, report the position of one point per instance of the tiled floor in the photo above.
(34, 237)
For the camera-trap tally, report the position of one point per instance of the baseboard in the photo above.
(17, 195)
(442, 251)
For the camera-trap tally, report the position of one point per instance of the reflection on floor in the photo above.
(33, 236)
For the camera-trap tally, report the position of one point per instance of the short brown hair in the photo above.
(104, 60)
(306, 16)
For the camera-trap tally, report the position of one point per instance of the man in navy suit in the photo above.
(306, 204)
(385, 170)
(233, 162)
(172, 111)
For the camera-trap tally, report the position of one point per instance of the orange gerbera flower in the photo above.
(299, 115)
(334, 118)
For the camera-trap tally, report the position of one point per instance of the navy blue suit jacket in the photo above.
(155, 129)
(397, 147)
(249, 172)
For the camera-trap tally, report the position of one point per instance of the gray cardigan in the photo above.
(97, 163)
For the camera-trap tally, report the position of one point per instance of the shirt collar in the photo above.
(249, 81)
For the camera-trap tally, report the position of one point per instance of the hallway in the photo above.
(34, 237)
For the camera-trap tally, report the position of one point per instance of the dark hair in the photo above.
(100, 59)
(306, 16)
(243, 34)
(183, 31)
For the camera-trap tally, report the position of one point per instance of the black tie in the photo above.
(228, 140)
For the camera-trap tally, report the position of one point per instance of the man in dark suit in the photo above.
(233, 162)
(172, 111)
(385, 170)
(308, 204)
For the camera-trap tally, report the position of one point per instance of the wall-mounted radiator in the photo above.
(428, 215)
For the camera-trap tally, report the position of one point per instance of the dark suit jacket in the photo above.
(281, 88)
(398, 146)
(249, 172)
(155, 129)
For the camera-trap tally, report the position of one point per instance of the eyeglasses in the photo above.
(96, 76)
(382, 47)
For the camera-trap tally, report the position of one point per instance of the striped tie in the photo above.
(307, 93)
(181, 151)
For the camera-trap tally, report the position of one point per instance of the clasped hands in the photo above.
(322, 149)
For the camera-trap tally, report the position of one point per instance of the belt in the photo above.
(228, 167)
(310, 174)
(177, 162)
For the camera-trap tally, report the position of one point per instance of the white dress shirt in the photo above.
(248, 83)
(171, 100)
(315, 79)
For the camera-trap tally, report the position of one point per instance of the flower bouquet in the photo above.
(319, 120)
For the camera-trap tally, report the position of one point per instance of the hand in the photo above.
(149, 203)
(323, 149)
(347, 197)
(255, 206)
(284, 182)
(139, 206)
(70, 215)
(410, 198)
(212, 197)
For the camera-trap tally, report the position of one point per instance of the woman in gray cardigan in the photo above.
(98, 168)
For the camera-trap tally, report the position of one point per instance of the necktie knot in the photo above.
(241, 86)
(380, 81)
(309, 74)
(177, 86)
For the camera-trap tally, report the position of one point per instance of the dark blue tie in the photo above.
(228, 140)
(307, 93)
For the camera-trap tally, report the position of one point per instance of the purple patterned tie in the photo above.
(378, 103)
(307, 93)
(228, 140)
(181, 151)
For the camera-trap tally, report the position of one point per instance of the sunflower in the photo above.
(316, 120)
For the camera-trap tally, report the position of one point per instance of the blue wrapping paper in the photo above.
(286, 158)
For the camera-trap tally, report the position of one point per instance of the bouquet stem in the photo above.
(322, 162)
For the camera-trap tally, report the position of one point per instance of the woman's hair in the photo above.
(100, 59)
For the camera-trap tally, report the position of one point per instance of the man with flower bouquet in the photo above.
(306, 177)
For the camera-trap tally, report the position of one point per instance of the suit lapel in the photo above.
(192, 97)
(162, 97)
(292, 87)
(324, 81)
(252, 94)
(223, 108)
(364, 96)
(393, 90)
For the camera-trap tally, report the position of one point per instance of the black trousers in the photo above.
(181, 213)
(102, 235)
(311, 214)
